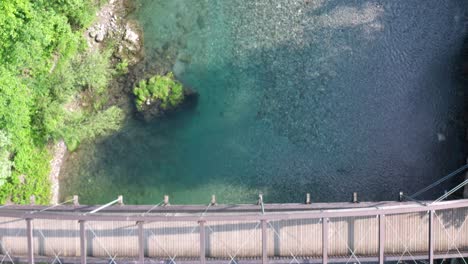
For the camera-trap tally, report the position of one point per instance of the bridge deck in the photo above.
(402, 231)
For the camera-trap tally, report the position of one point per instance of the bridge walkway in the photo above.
(283, 233)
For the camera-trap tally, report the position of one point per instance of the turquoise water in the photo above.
(295, 96)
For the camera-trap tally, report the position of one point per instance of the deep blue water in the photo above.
(295, 96)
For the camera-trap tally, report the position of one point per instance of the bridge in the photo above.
(258, 233)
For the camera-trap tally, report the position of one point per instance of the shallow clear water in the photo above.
(296, 96)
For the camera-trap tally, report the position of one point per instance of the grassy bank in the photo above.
(47, 69)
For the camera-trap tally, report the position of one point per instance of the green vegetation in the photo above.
(164, 90)
(82, 127)
(5, 163)
(121, 68)
(45, 66)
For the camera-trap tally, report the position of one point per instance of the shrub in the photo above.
(39, 43)
(164, 90)
(5, 162)
(32, 163)
(80, 127)
(121, 68)
(92, 70)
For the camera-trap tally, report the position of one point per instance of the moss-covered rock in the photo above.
(158, 94)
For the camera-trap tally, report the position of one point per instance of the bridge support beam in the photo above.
(82, 242)
(264, 242)
(381, 239)
(202, 242)
(431, 237)
(29, 232)
(141, 243)
(324, 240)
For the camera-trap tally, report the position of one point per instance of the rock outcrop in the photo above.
(112, 24)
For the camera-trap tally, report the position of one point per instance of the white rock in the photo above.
(131, 36)
(92, 33)
(100, 36)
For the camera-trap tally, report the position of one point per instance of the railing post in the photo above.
(307, 200)
(29, 232)
(264, 242)
(431, 237)
(324, 240)
(76, 200)
(381, 239)
(213, 200)
(202, 242)
(141, 243)
(82, 242)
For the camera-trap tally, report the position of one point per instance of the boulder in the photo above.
(131, 36)
(100, 36)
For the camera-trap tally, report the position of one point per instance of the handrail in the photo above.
(105, 206)
(197, 208)
(458, 187)
(450, 175)
(404, 207)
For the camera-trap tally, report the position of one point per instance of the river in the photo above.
(295, 96)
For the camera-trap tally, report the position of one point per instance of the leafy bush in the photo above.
(43, 63)
(78, 12)
(92, 70)
(159, 89)
(121, 68)
(32, 164)
(5, 162)
(81, 127)
(15, 108)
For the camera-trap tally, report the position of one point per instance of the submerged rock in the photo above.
(440, 137)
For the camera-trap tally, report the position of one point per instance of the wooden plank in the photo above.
(29, 232)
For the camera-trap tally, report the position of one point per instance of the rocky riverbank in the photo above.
(59, 151)
(112, 29)
(113, 25)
